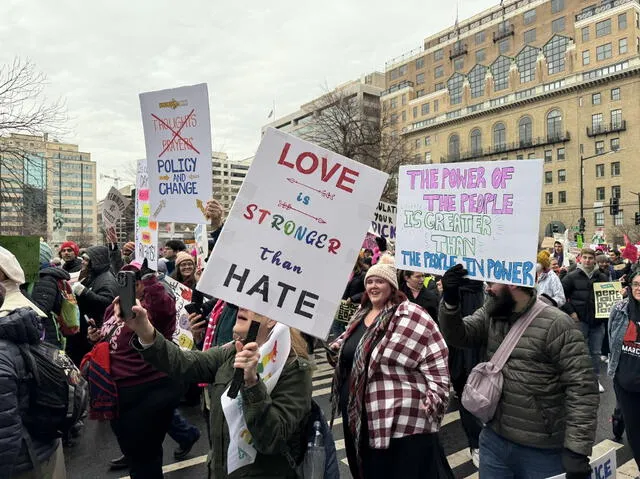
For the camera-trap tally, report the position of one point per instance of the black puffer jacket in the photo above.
(578, 289)
(72, 266)
(46, 295)
(427, 299)
(18, 327)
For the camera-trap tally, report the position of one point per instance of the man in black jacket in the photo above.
(46, 295)
(581, 306)
(69, 252)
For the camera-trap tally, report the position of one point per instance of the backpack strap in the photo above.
(508, 344)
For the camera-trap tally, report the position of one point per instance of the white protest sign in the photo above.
(177, 134)
(146, 229)
(483, 215)
(202, 245)
(384, 221)
(113, 207)
(603, 467)
(606, 295)
(294, 233)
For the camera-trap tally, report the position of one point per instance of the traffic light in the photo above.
(555, 228)
(614, 206)
(582, 225)
(638, 218)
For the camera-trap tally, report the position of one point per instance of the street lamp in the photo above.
(582, 160)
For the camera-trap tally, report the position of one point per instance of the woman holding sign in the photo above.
(624, 365)
(392, 385)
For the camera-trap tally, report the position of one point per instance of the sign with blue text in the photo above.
(483, 215)
(177, 134)
(294, 233)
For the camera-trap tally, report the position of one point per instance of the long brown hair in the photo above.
(298, 344)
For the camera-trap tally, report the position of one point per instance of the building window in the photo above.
(476, 78)
(481, 55)
(427, 157)
(530, 36)
(425, 108)
(455, 88)
(548, 156)
(393, 103)
(622, 21)
(585, 34)
(599, 218)
(479, 37)
(427, 140)
(419, 63)
(438, 71)
(531, 156)
(525, 133)
(557, 25)
(599, 147)
(562, 176)
(600, 193)
(458, 64)
(562, 196)
(499, 136)
(603, 28)
(603, 52)
(560, 154)
(586, 57)
(596, 99)
(618, 220)
(404, 116)
(476, 141)
(554, 124)
(596, 122)
(500, 71)
(548, 177)
(529, 16)
(454, 147)
(615, 144)
(616, 118)
(504, 46)
(622, 46)
(548, 198)
(557, 6)
(417, 143)
(519, 157)
(438, 55)
(402, 70)
(404, 99)
(600, 170)
(615, 168)
(615, 192)
(419, 78)
(439, 86)
(615, 94)
(415, 112)
(436, 103)
(526, 62)
(554, 51)
(420, 93)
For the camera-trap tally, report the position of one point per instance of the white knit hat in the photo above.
(384, 271)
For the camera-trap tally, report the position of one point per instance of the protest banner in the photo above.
(294, 233)
(606, 294)
(547, 242)
(26, 249)
(182, 295)
(113, 208)
(384, 221)
(483, 215)
(604, 467)
(146, 229)
(202, 245)
(177, 134)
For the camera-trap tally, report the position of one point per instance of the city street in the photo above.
(89, 458)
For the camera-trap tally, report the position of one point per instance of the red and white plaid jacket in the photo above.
(408, 371)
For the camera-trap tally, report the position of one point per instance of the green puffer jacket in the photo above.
(275, 420)
(550, 395)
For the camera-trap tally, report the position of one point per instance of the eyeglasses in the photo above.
(635, 285)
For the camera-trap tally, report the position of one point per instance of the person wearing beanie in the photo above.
(392, 363)
(549, 285)
(118, 258)
(185, 270)
(45, 255)
(70, 252)
(171, 249)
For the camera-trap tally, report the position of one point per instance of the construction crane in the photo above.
(116, 179)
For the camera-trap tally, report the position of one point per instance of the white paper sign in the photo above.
(113, 207)
(483, 215)
(384, 221)
(202, 245)
(603, 467)
(146, 229)
(177, 134)
(294, 233)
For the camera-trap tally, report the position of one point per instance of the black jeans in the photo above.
(145, 412)
(629, 401)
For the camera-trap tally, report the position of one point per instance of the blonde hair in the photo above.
(298, 344)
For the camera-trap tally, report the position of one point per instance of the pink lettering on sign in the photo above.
(143, 195)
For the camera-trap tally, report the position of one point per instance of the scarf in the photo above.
(273, 357)
(588, 272)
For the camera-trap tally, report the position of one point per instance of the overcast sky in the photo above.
(98, 56)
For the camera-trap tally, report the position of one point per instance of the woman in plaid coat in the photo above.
(391, 385)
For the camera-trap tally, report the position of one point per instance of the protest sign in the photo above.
(113, 207)
(182, 295)
(384, 221)
(202, 245)
(603, 467)
(606, 294)
(177, 134)
(26, 249)
(294, 233)
(483, 215)
(146, 229)
(547, 242)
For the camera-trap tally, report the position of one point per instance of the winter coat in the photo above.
(274, 419)
(618, 323)
(20, 326)
(72, 266)
(47, 296)
(578, 291)
(355, 288)
(550, 394)
(550, 284)
(115, 259)
(427, 299)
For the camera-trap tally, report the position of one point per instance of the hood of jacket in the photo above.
(10, 266)
(21, 326)
(57, 273)
(589, 274)
(99, 257)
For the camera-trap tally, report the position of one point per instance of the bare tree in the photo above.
(360, 129)
(24, 110)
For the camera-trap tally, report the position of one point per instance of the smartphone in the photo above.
(195, 306)
(127, 293)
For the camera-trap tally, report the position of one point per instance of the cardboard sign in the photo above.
(26, 249)
(384, 221)
(113, 207)
(294, 233)
(603, 467)
(483, 215)
(177, 134)
(547, 242)
(202, 245)
(146, 229)
(606, 294)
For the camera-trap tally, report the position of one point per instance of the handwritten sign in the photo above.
(384, 221)
(26, 249)
(603, 467)
(182, 336)
(483, 215)
(177, 133)
(606, 294)
(146, 229)
(293, 233)
(113, 207)
(202, 245)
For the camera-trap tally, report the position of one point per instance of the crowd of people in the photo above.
(407, 349)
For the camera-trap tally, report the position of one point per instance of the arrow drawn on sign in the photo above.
(201, 207)
(164, 178)
(287, 206)
(161, 205)
(324, 193)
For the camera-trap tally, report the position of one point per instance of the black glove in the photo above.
(576, 465)
(451, 281)
(145, 271)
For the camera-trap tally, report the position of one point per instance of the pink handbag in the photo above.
(483, 390)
